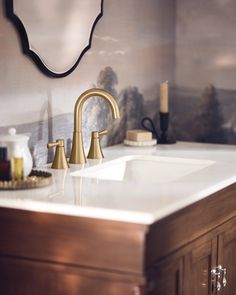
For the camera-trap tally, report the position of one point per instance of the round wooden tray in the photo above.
(36, 179)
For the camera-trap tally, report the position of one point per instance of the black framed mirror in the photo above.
(55, 34)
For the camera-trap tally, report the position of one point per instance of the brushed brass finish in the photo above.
(77, 152)
(59, 161)
(95, 151)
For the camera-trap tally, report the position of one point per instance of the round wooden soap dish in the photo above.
(36, 179)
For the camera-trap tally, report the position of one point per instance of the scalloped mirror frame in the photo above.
(25, 44)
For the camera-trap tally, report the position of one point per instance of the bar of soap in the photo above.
(138, 135)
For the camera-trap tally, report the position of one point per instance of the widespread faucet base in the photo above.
(77, 152)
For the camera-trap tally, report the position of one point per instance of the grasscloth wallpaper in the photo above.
(136, 45)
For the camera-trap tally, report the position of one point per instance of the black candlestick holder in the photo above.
(164, 124)
(148, 124)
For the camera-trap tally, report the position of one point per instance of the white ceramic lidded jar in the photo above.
(15, 143)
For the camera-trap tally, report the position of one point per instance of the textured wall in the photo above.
(205, 73)
(132, 52)
(136, 45)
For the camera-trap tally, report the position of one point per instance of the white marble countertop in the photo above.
(127, 201)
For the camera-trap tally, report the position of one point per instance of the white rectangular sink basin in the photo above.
(145, 169)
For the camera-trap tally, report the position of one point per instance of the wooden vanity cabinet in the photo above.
(52, 254)
(188, 271)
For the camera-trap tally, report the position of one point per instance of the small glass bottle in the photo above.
(5, 165)
(17, 164)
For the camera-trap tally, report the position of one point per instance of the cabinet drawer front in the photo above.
(72, 240)
(20, 277)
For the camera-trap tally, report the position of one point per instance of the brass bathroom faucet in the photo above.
(77, 152)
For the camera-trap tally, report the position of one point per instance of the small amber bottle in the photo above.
(5, 165)
(17, 169)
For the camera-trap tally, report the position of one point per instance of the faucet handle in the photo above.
(95, 151)
(59, 161)
(103, 132)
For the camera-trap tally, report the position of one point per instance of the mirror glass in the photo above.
(58, 32)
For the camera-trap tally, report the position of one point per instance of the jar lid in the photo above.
(12, 136)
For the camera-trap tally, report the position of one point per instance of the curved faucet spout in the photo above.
(77, 152)
(86, 95)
